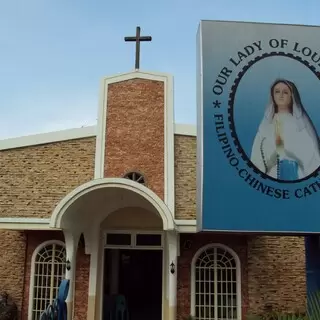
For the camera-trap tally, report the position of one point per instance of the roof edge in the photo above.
(74, 134)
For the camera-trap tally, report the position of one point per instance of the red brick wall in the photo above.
(236, 243)
(34, 239)
(81, 285)
(12, 262)
(135, 131)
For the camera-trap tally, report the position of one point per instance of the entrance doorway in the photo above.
(132, 284)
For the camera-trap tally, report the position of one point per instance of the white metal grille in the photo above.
(49, 270)
(216, 285)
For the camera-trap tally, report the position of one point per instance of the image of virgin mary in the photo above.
(286, 146)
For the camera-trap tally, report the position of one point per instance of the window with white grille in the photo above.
(48, 269)
(216, 284)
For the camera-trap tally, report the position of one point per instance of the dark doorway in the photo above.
(135, 275)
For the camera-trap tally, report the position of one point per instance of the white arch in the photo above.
(121, 183)
(238, 271)
(32, 271)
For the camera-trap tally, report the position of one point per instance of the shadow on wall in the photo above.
(8, 309)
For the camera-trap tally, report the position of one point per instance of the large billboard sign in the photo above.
(258, 127)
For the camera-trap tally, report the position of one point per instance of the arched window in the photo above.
(47, 271)
(215, 284)
(135, 176)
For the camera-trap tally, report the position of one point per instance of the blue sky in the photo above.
(53, 53)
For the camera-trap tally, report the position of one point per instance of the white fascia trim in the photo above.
(186, 226)
(183, 226)
(135, 74)
(185, 130)
(24, 224)
(191, 222)
(50, 137)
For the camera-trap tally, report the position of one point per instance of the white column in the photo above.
(71, 240)
(172, 247)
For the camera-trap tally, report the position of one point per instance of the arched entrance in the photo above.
(120, 208)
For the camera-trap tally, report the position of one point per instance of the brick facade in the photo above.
(34, 179)
(185, 177)
(135, 131)
(272, 270)
(12, 264)
(49, 172)
(276, 273)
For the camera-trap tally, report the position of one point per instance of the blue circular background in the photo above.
(253, 95)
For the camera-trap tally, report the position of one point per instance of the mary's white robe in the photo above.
(299, 154)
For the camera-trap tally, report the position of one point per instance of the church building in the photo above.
(113, 208)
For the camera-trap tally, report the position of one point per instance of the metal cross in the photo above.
(137, 40)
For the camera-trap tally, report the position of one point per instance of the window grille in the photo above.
(216, 285)
(133, 239)
(135, 176)
(49, 270)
